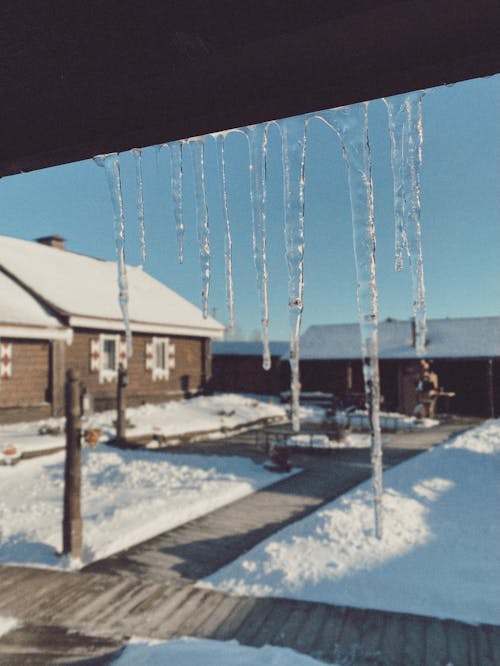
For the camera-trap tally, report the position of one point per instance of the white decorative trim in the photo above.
(169, 353)
(95, 355)
(34, 333)
(144, 327)
(6, 360)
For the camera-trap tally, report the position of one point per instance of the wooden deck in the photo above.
(149, 590)
(70, 617)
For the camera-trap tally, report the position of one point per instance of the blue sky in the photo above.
(460, 217)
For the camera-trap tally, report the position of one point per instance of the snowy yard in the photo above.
(440, 555)
(203, 414)
(127, 497)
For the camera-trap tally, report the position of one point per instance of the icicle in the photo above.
(406, 136)
(176, 176)
(198, 160)
(293, 132)
(397, 128)
(228, 243)
(351, 125)
(414, 229)
(111, 164)
(140, 200)
(257, 143)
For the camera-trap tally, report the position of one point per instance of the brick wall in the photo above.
(185, 378)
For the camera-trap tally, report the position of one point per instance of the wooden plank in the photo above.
(327, 643)
(414, 640)
(457, 641)
(219, 616)
(160, 613)
(308, 634)
(91, 608)
(105, 614)
(350, 635)
(205, 609)
(297, 617)
(392, 644)
(485, 653)
(371, 634)
(227, 630)
(436, 648)
(270, 630)
(494, 639)
(254, 621)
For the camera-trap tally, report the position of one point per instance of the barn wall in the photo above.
(26, 395)
(186, 379)
(245, 374)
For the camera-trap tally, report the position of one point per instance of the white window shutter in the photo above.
(6, 360)
(123, 360)
(95, 355)
(149, 356)
(171, 356)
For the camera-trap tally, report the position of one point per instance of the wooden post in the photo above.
(72, 519)
(491, 392)
(121, 403)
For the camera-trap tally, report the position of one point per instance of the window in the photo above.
(106, 353)
(109, 354)
(160, 358)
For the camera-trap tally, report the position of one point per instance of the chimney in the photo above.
(53, 241)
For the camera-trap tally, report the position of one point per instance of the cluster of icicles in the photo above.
(350, 124)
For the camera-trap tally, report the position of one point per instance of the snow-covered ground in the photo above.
(190, 651)
(127, 497)
(172, 418)
(440, 555)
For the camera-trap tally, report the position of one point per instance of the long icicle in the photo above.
(197, 147)
(396, 110)
(111, 164)
(257, 143)
(228, 242)
(140, 200)
(176, 178)
(413, 105)
(293, 132)
(406, 136)
(351, 125)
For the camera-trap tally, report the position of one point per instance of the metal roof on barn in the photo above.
(473, 337)
(80, 79)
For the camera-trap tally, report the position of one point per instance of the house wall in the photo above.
(26, 394)
(187, 378)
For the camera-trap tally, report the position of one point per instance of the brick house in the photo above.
(59, 309)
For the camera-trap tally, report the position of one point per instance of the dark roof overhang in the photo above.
(83, 78)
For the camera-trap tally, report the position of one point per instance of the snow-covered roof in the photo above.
(472, 337)
(84, 289)
(244, 348)
(21, 315)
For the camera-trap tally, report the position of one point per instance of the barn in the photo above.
(464, 353)
(60, 310)
(237, 367)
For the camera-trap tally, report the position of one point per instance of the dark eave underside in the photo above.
(83, 78)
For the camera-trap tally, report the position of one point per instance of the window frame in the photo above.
(108, 374)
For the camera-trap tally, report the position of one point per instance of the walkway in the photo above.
(148, 591)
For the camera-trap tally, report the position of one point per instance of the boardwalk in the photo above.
(148, 590)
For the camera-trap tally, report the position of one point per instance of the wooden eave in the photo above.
(85, 78)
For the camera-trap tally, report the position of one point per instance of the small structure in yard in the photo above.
(60, 310)
(462, 355)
